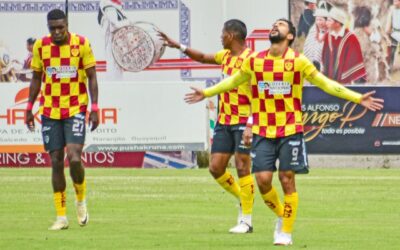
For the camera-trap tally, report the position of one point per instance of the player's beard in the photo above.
(276, 38)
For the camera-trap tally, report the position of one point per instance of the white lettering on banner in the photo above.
(14, 158)
(98, 157)
(321, 107)
(39, 159)
(394, 120)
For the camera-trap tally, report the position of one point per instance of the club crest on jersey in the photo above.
(238, 63)
(75, 51)
(288, 66)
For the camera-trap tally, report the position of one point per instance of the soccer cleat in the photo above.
(82, 213)
(278, 227)
(283, 239)
(241, 228)
(59, 224)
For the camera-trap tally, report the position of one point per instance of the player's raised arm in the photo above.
(225, 85)
(192, 53)
(336, 89)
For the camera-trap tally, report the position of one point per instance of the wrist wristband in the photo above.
(94, 107)
(183, 48)
(29, 106)
(249, 123)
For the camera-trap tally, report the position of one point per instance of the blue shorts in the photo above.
(290, 150)
(228, 139)
(58, 133)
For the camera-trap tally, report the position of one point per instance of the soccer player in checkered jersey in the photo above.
(277, 76)
(64, 62)
(233, 113)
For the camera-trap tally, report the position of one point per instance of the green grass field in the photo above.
(186, 209)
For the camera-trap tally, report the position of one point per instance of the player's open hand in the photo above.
(370, 102)
(30, 120)
(93, 120)
(196, 96)
(247, 137)
(168, 41)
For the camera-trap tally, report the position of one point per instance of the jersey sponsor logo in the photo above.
(262, 86)
(275, 88)
(61, 72)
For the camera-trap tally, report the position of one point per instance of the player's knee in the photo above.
(75, 163)
(264, 184)
(242, 167)
(215, 170)
(287, 182)
(57, 159)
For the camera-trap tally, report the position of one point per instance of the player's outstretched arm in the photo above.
(227, 84)
(336, 89)
(370, 102)
(192, 53)
(196, 96)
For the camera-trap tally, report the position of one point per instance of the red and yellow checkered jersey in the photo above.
(233, 106)
(276, 86)
(64, 89)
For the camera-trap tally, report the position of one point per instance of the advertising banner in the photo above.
(89, 159)
(335, 126)
(139, 117)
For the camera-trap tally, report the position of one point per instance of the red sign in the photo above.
(89, 159)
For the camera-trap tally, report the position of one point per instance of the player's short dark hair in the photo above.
(56, 14)
(30, 40)
(236, 26)
(292, 29)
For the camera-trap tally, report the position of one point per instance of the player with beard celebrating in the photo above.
(277, 76)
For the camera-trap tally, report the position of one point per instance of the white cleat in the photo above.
(59, 224)
(82, 213)
(278, 227)
(283, 239)
(241, 228)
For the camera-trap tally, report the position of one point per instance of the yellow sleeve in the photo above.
(333, 88)
(219, 56)
(307, 67)
(246, 68)
(88, 58)
(227, 84)
(36, 63)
